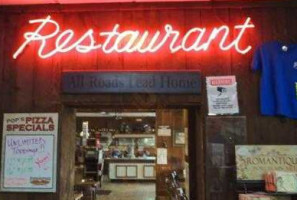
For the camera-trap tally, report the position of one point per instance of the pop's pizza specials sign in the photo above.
(29, 152)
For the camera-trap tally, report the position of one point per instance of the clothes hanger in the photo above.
(287, 39)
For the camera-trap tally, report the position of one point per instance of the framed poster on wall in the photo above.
(29, 152)
(179, 138)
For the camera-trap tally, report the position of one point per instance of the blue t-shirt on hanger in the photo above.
(278, 65)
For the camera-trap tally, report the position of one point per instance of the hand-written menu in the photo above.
(29, 155)
(28, 145)
(19, 166)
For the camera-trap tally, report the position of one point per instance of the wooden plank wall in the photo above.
(66, 174)
(30, 84)
(176, 119)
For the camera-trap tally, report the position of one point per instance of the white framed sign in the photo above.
(164, 131)
(222, 95)
(29, 152)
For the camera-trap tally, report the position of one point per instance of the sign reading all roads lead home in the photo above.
(131, 82)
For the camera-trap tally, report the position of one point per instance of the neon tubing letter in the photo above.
(151, 48)
(35, 36)
(243, 28)
(131, 41)
(176, 34)
(195, 45)
(109, 35)
(131, 36)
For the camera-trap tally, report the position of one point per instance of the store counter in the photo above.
(141, 168)
(133, 160)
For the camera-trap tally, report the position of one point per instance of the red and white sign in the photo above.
(221, 80)
(222, 95)
(20, 123)
(130, 41)
(29, 152)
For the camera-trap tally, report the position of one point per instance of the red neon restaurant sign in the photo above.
(134, 41)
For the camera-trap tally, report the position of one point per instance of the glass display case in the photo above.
(144, 140)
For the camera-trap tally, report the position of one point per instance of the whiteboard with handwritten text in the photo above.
(29, 152)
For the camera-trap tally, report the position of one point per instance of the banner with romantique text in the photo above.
(252, 161)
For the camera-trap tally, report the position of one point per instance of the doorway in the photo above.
(118, 154)
(117, 149)
(165, 118)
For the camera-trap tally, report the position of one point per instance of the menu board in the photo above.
(29, 152)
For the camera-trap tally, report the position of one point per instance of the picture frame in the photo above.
(179, 137)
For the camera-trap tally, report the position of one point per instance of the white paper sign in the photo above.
(162, 156)
(29, 152)
(164, 131)
(222, 95)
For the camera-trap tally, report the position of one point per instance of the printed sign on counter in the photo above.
(253, 161)
(222, 95)
(29, 152)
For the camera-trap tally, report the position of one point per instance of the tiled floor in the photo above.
(128, 191)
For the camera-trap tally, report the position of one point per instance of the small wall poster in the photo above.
(162, 156)
(164, 131)
(222, 95)
(29, 152)
(179, 137)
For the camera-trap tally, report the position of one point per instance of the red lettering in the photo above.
(22, 127)
(40, 120)
(9, 127)
(15, 127)
(221, 82)
(38, 128)
(50, 120)
(51, 127)
(28, 120)
(29, 127)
